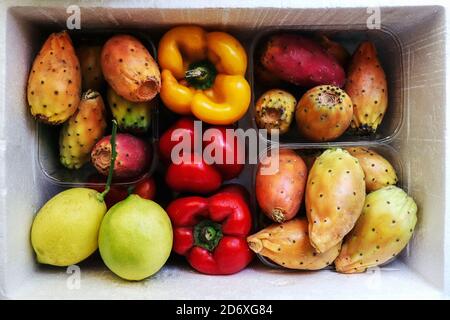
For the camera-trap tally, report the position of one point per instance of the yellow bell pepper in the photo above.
(203, 74)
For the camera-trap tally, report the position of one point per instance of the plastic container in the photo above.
(48, 146)
(385, 150)
(389, 51)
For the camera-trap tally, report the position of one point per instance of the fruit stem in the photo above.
(102, 195)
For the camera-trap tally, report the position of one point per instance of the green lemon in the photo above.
(135, 238)
(65, 230)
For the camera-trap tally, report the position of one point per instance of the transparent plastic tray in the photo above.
(390, 53)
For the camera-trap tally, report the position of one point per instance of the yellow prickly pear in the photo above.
(383, 230)
(79, 135)
(91, 70)
(378, 171)
(335, 193)
(54, 83)
(288, 245)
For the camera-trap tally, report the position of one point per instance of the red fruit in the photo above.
(185, 127)
(133, 156)
(301, 61)
(194, 176)
(234, 149)
(335, 49)
(146, 188)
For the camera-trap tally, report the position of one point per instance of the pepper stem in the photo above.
(201, 75)
(101, 196)
(207, 234)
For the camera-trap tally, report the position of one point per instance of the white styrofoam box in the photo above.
(422, 272)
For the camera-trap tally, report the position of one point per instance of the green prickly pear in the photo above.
(324, 113)
(383, 230)
(54, 83)
(91, 70)
(79, 135)
(131, 116)
(335, 193)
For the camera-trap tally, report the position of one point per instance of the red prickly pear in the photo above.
(301, 61)
(91, 70)
(193, 176)
(80, 133)
(334, 198)
(288, 245)
(133, 156)
(383, 230)
(367, 87)
(129, 69)
(54, 83)
(378, 171)
(324, 113)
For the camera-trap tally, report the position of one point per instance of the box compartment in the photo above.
(422, 272)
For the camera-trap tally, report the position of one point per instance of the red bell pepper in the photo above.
(185, 127)
(211, 232)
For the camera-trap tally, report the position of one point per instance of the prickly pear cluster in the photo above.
(80, 133)
(324, 113)
(275, 110)
(335, 193)
(54, 83)
(383, 230)
(131, 116)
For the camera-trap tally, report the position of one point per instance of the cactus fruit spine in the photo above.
(383, 230)
(54, 83)
(80, 133)
(335, 193)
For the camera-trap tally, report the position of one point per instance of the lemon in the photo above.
(65, 230)
(135, 238)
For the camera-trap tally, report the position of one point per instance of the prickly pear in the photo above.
(335, 194)
(378, 171)
(80, 133)
(54, 83)
(301, 61)
(288, 245)
(91, 70)
(133, 156)
(335, 49)
(131, 116)
(275, 110)
(367, 87)
(129, 69)
(279, 195)
(383, 230)
(324, 113)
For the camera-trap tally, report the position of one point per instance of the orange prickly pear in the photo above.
(378, 171)
(288, 245)
(80, 133)
(129, 69)
(324, 113)
(335, 194)
(54, 83)
(383, 230)
(366, 85)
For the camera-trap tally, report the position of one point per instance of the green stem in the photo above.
(102, 195)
